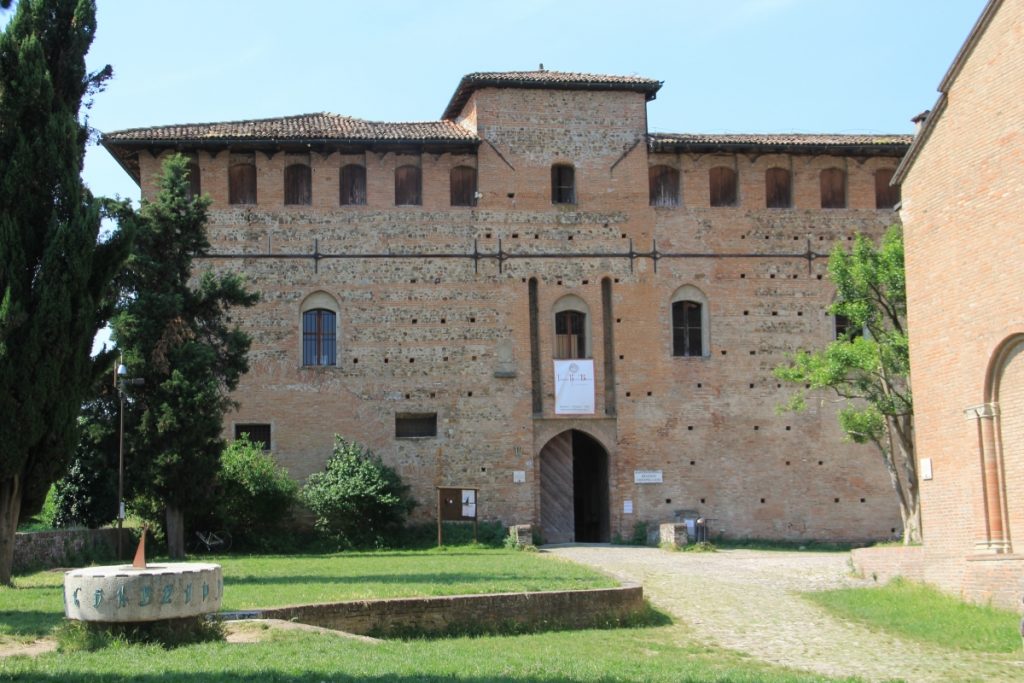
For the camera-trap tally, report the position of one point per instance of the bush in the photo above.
(357, 499)
(255, 496)
(87, 494)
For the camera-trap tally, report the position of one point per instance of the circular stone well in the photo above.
(125, 594)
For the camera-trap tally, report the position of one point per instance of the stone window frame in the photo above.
(319, 301)
(696, 295)
(565, 304)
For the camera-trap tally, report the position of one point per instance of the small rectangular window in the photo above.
(563, 184)
(845, 329)
(463, 186)
(833, 188)
(722, 186)
(353, 185)
(886, 196)
(298, 184)
(257, 433)
(413, 425)
(195, 187)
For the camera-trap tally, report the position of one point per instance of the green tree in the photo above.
(176, 334)
(55, 270)
(869, 367)
(357, 499)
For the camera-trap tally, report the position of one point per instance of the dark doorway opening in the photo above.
(589, 489)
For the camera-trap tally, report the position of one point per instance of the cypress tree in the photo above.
(176, 334)
(55, 272)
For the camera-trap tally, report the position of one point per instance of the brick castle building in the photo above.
(963, 185)
(537, 298)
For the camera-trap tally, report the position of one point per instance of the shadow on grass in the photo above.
(29, 622)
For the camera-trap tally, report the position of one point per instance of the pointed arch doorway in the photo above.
(574, 489)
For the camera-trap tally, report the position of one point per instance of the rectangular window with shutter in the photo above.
(415, 425)
(257, 433)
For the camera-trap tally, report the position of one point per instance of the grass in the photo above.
(35, 606)
(917, 612)
(665, 653)
(763, 544)
(643, 654)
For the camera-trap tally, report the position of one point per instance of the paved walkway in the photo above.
(747, 600)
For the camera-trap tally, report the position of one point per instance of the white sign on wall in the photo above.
(574, 387)
(627, 507)
(647, 477)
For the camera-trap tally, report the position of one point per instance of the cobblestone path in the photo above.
(747, 600)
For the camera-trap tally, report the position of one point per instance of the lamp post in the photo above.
(122, 381)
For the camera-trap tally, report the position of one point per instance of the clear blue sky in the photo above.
(839, 66)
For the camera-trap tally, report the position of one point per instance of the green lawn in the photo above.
(645, 654)
(34, 606)
(917, 612)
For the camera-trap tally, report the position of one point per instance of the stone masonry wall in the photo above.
(424, 335)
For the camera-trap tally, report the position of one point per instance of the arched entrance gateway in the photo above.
(574, 489)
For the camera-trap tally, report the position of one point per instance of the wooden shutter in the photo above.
(833, 189)
(242, 184)
(722, 181)
(557, 510)
(463, 186)
(353, 185)
(257, 433)
(664, 186)
(407, 186)
(195, 187)
(777, 188)
(886, 196)
(298, 184)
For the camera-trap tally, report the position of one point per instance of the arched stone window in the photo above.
(298, 184)
(563, 184)
(319, 330)
(778, 189)
(352, 185)
(462, 180)
(572, 328)
(833, 188)
(690, 323)
(664, 185)
(722, 186)
(408, 186)
(886, 196)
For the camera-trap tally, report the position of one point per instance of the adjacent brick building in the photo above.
(963, 202)
(419, 279)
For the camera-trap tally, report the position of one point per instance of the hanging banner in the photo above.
(574, 387)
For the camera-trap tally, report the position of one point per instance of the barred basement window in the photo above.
(319, 337)
(413, 425)
(353, 185)
(463, 186)
(408, 186)
(886, 196)
(242, 183)
(298, 184)
(833, 188)
(563, 184)
(257, 433)
(664, 186)
(722, 185)
(778, 188)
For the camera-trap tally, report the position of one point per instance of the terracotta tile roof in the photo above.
(895, 145)
(545, 80)
(322, 126)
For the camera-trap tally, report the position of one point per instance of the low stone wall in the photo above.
(886, 563)
(34, 550)
(502, 612)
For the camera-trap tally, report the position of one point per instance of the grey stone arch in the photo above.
(575, 465)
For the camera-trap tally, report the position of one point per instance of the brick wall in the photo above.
(421, 335)
(961, 210)
(885, 563)
(472, 613)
